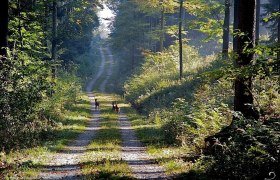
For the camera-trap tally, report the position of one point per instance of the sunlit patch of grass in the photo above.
(107, 170)
(24, 163)
(176, 166)
(103, 159)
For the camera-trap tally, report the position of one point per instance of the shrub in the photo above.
(251, 151)
(22, 87)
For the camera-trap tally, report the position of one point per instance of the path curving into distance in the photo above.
(66, 164)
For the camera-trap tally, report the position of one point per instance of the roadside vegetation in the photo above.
(190, 125)
(179, 116)
(72, 112)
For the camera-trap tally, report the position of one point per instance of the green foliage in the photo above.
(75, 31)
(23, 85)
(30, 100)
(187, 116)
(66, 91)
(267, 96)
(156, 82)
(271, 18)
(208, 18)
(188, 123)
(251, 151)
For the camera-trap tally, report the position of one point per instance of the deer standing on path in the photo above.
(115, 107)
(96, 104)
(118, 110)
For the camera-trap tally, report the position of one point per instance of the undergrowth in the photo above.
(180, 115)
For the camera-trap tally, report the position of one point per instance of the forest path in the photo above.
(66, 164)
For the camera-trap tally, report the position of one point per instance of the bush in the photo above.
(250, 152)
(66, 91)
(190, 122)
(22, 87)
(27, 112)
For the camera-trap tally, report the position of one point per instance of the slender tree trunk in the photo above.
(278, 53)
(132, 51)
(235, 23)
(226, 30)
(54, 38)
(19, 24)
(180, 39)
(46, 21)
(258, 11)
(246, 23)
(4, 16)
(161, 30)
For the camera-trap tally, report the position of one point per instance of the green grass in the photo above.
(103, 158)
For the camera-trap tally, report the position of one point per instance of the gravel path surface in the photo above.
(135, 154)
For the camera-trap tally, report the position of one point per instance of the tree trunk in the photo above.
(258, 11)
(4, 16)
(180, 39)
(246, 22)
(278, 53)
(19, 24)
(161, 30)
(235, 23)
(226, 30)
(54, 38)
(46, 21)
(132, 52)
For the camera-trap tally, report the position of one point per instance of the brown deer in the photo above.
(96, 104)
(113, 106)
(117, 108)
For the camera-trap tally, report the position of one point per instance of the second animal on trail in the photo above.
(115, 107)
(96, 104)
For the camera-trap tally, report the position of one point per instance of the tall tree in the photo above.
(235, 24)
(54, 37)
(180, 39)
(278, 53)
(226, 29)
(4, 16)
(258, 12)
(161, 29)
(246, 23)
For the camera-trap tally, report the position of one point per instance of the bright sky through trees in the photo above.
(106, 16)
